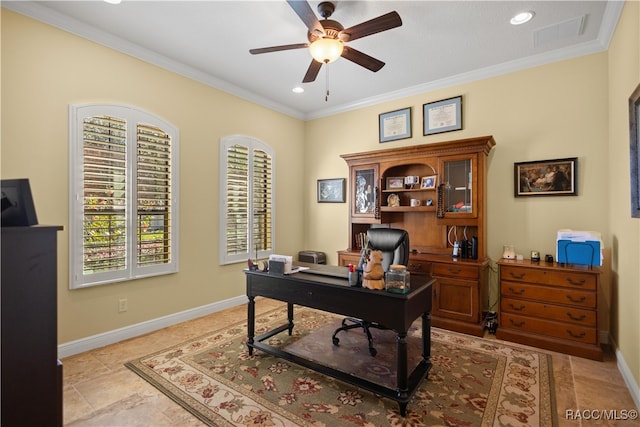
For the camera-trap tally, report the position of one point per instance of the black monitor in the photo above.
(17, 203)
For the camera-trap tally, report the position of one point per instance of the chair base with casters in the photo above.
(358, 323)
(394, 245)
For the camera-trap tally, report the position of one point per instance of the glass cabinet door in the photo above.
(364, 191)
(457, 186)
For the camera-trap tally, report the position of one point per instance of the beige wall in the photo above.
(574, 108)
(43, 71)
(624, 76)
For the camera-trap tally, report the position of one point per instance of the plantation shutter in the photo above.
(104, 183)
(246, 177)
(237, 232)
(153, 196)
(123, 205)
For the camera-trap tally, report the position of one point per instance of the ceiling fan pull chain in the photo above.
(326, 75)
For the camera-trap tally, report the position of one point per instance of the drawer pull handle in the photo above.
(580, 335)
(454, 270)
(516, 308)
(576, 318)
(572, 299)
(576, 282)
(415, 266)
(517, 324)
(518, 292)
(516, 276)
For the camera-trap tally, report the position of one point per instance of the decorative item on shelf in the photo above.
(535, 256)
(411, 181)
(429, 182)
(393, 200)
(508, 252)
(429, 202)
(415, 203)
(397, 279)
(372, 272)
(395, 183)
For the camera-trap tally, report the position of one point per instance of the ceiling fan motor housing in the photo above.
(331, 28)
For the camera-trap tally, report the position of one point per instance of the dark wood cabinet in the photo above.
(31, 373)
(551, 306)
(452, 209)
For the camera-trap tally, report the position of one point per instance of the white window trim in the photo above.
(253, 144)
(133, 116)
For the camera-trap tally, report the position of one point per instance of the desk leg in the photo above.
(426, 337)
(401, 378)
(251, 317)
(290, 317)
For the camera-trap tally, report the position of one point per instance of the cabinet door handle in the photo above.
(517, 324)
(576, 318)
(576, 282)
(516, 276)
(516, 308)
(454, 270)
(572, 299)
(518, 292)
(580, 335)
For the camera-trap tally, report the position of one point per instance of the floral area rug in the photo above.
(473, 381)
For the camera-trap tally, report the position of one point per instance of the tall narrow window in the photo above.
(124, 202)
(247, 212)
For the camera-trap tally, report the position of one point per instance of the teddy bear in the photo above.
(372, 272)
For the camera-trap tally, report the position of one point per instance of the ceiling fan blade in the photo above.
(304, 11)
(278, 48)
(373, 26)
(362, 59)
(312, 71)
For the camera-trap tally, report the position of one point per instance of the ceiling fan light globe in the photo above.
(326, 50)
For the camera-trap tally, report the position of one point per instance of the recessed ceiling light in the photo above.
(113, 1)
(297, 89)
(522, 17)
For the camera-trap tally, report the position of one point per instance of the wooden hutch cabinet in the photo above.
(451, 190)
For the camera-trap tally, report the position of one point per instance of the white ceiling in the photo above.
(440, 43)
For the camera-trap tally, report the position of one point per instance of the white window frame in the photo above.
(252, 144)
(133, 116)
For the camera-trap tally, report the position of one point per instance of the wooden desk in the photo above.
(333, 294)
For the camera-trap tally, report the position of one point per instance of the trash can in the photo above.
(313, 257)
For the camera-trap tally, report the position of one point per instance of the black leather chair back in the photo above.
(392, 242)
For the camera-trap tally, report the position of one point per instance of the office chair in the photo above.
(394, 245)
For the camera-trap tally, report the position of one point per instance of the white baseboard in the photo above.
(117, 335)
(627, 376)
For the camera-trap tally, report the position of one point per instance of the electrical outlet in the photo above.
(123, 305)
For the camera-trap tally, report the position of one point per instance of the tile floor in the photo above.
(100, 391)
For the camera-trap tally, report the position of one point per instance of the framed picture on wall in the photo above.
(331, 190)
(442, 116)
(546, 178)
(395, 125)
(634, 151)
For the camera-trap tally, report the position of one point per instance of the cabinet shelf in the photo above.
(407, 209)
(408, 190)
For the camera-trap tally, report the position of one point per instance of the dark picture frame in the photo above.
(394, 125)
(332, 190)
(634, 151)
(556, 177)
(442, 116)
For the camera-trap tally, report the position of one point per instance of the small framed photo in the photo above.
(546, 178)
(331, 190)
(442, 116)
(395, 125)
(428, 182)
(395, 182)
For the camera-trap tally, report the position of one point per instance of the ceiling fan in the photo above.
(327, 37)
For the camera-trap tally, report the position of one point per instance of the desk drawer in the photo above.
(578, 316)
(550, 328)
(549, 294)
(570, 279)
(454, 270)
(419, 266)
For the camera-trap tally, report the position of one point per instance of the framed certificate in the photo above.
(395, 125)
(442, 116)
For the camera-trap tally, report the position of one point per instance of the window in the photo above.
(124, 201)
(246, 188)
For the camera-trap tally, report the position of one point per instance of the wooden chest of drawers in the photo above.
(551, 306)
